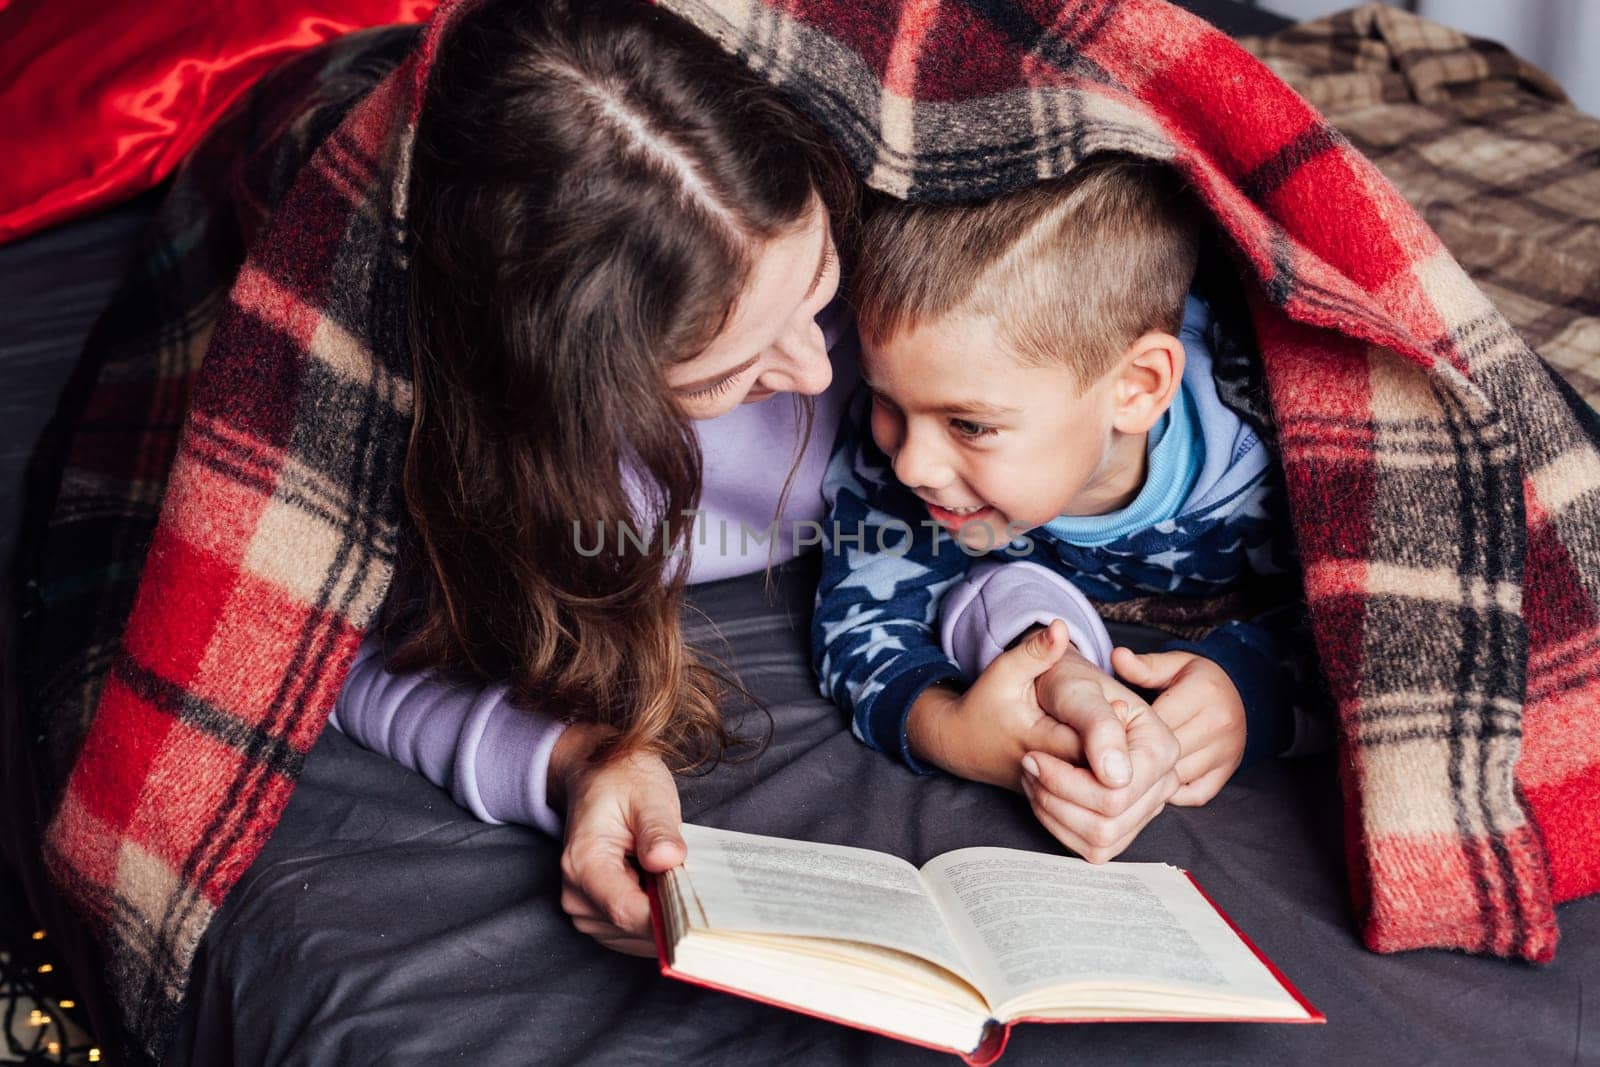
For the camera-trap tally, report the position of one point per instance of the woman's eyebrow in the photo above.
(692, 387)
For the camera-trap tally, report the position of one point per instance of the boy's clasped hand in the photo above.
(1094, 759)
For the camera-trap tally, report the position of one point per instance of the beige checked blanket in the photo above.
(1486, 148)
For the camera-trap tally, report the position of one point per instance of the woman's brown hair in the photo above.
(592, 180)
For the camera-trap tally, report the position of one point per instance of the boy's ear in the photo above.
(1148, 377)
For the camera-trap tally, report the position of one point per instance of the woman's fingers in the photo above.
(1151, 763)
(1094, 837)
(612, 938)
(1074, 784)
(1062, 833)
(631, 946)
(1059, 740)
(1084, 708)
(591, 920)
(1076, 798)
(600, 874)
(575, 904)
(616, 810)
(657, 823)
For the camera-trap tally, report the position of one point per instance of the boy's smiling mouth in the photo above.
(956, 518)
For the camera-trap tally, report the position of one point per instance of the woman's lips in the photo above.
(955, 520)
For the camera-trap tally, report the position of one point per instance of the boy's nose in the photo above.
(917, 466)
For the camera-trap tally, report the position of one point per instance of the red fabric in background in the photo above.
(99, 101)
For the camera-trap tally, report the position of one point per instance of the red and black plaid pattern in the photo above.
(221, 479)
(1488, 151)
(1443, 481)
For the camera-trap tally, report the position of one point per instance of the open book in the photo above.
(951, 955)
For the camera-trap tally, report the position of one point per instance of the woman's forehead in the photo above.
(782, 277)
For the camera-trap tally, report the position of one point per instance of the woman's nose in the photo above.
(803, 365)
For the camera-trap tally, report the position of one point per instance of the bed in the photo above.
(382, 924)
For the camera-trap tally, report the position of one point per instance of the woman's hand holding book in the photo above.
(621, 808)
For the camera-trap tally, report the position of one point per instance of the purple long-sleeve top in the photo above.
(494, 757)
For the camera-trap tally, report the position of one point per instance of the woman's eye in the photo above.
(714, 390)
(971, 429)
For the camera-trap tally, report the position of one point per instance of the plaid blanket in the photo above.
(1485, 147)
(1442, 479)
(180, 755)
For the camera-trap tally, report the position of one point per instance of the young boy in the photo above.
(1043, 420)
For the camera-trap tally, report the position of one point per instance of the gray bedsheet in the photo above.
(382, 924)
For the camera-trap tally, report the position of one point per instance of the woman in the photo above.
(624, 252)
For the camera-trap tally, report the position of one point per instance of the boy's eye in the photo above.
(966, 428)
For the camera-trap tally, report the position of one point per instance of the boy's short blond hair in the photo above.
(1074, 270)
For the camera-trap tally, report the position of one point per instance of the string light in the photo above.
(26, 989)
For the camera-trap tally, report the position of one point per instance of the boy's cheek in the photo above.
(884, 433)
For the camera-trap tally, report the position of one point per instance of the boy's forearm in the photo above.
(874, 649)
(927, 724)
(938, 737)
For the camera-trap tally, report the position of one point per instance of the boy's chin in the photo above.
(983, 535)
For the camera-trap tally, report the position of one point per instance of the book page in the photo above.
(1030, 920)
(775, 885)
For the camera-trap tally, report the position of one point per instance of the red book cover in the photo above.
(997, 1034)
(994, 1039)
